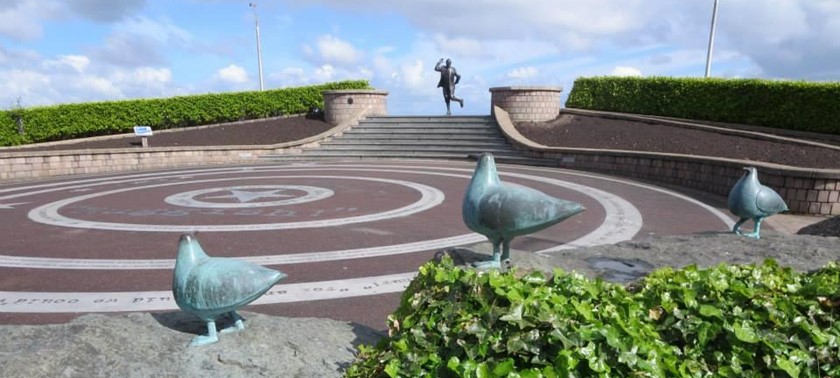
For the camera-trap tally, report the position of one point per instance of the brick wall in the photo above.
(34, 165)
(527, 104)
(806, 191)
(343, 106)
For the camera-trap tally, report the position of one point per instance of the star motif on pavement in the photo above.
(11, 205)
(245, 196)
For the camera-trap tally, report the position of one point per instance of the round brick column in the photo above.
(527, 103)
(353, 104)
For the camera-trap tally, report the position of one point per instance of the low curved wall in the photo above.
(350, 105)
(806, 191)
(527, 103)
(24, 165)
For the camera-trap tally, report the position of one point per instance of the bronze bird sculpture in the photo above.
(748, 199)
(210, 287)
(503, 211)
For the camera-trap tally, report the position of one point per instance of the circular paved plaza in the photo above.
(350, 235)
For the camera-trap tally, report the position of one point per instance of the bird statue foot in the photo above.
(237, 326)
(204, 340)
(751, 235)
(491, 264)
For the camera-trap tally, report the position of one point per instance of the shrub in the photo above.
(727, 321)
(43, 124)
(794, 105)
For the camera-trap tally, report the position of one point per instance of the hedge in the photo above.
(67, 121)
(793, 105)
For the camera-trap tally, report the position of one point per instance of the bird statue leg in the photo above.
(237, 326)
(490, 264)
(736, 229)
(757, 230)
(505, 252)
(210, 338)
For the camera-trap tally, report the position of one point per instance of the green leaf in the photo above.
(584, 309)
(710, 311)
(503, 368)
(788, 366)
(514, 314)
(745, 332)
(392, 369)
(453, 364)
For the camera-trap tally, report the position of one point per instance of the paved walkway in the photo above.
(350, 235)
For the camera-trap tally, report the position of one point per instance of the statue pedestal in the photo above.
(527, 103)
(341, 106)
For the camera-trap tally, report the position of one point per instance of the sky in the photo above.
(54, 51)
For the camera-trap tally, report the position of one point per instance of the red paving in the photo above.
(356, 192)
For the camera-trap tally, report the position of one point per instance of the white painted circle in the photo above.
(625, 222)
(49, 213)
(188, 199)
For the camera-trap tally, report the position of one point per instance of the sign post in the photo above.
(144, 132)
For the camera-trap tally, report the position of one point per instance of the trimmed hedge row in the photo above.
(43, 124)
(793, 105)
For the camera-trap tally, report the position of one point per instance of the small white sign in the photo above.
(143, 131)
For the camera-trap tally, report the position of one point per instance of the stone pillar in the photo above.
(350, 105)
(527, 103)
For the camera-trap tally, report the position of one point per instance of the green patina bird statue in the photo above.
(210, 287)
(503, 211)
(748, 199)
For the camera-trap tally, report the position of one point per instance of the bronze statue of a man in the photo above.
(448, 78)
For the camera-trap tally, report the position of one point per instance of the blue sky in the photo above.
(55, 51)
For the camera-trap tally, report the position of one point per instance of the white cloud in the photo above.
(232, 74)
(152, 75)
(289, 76)
(461, 46)
(413, 75)
(130, 51)
(105, 10)
(625, 71)
(332, 50)
(21, 20)
(77, 62)
(162, 30)
(785, 38)
(523, 73)
(325, 73)
(24, 84)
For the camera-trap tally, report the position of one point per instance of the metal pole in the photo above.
(711, 40)
(259, 49)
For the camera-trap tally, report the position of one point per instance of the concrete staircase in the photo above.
(423, 137)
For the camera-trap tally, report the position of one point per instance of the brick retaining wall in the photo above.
(341, 106)
(527, 104)
(17, 165)
(806, 191)
(33, 165)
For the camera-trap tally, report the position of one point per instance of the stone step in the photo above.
(432, 126)
(430, 119)
(414, 142)
(428, 148)
(381, 154)
(422, 131)
(430, 138)
(499, 158)
(417, 137)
